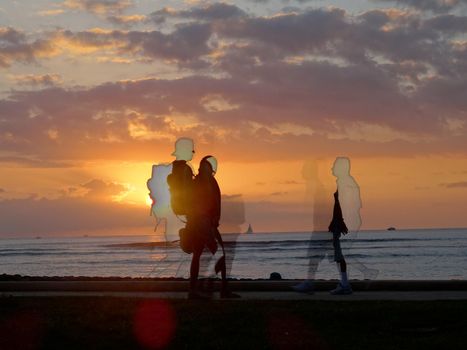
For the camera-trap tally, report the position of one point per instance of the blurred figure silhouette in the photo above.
(202, 225)
(161, 197)
(316, 200)
(181, 179)
(317, 203)
(337, 227)
(233, 216)
(345, 220)
(348, 194)
(351, 204)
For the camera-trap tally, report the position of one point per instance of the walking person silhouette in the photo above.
(346, 217)
(202, 225)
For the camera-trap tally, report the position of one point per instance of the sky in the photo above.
(93, 92)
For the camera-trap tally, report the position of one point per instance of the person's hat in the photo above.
(183, 143)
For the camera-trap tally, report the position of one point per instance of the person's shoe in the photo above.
(341, 290)
(229, 295)
(304, 287)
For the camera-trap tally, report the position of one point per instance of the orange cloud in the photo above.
(37, 80)
(53, 12)
(16, 48)
(99, 6)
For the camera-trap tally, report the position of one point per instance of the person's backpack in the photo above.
(159, 190)
(180, 185)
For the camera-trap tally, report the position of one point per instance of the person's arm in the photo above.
(216, 208)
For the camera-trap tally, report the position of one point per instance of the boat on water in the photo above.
(249, 229)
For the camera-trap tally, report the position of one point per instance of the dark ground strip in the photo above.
(123, 323)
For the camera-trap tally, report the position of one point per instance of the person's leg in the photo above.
(194, 270)
(354, 263)
(342, 266)
(316, 252)
(222, 267)
(344, 286)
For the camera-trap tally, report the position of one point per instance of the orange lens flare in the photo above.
(154, 324)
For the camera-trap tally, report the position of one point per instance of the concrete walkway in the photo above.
(128, 285)
(248, 289)
(356, 296)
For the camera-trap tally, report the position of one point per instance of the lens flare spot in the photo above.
(154, 324)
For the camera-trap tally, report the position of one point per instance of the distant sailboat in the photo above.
(249, 230)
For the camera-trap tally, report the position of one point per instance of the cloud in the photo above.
(447, 23)
(127, 20)
(99, 7)
(37, 80)
(185, 44)
(278, 193)
(210, 12)
(429, 5)
(52, 12)
(41, 216)
(127, 120)
(14, 47)
(32, 163)
(289, 182)
(462, 184)
(99, 189)
(383, 82)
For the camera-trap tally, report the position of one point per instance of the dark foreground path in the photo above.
(88, 322)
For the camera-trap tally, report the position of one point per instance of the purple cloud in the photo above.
(429, 5)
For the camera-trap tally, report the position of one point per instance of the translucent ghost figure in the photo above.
(161, 208)
(317, 200)
(350, 203)
(349, 200)
(159, 191)
(349, 194)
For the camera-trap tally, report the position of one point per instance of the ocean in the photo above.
(428, 254)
